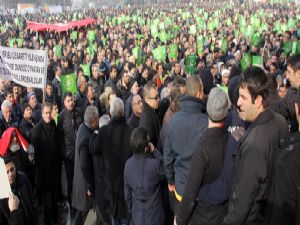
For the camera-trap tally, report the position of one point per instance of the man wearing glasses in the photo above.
(149, 119)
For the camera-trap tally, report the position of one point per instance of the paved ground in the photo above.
(90, 218)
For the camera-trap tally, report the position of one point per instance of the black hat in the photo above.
(233, 90)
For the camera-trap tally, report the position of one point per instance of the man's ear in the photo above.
(200, 95)
(259, 101)
(297, 109)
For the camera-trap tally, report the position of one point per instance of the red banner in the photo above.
(59, 27)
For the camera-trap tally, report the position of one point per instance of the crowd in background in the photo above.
(152, 136)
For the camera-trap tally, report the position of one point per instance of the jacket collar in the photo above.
(192, 104)
(147, 108)
(117, 120)
(215, 131)
(262, 118)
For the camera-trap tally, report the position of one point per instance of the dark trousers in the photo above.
(49, 204)
(69, 167)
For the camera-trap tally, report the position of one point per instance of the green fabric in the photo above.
(173, 54)
(91, 35)
(11, 42)
(137, 53)
(287, 47)
(154, 31)
(16, 21)
(294, 48)
(190, 64)
(193, 29)
(246, 61)
(160, 53)
(255, 39)
(228, 22)
(68, 83)
(86, 69)
(20, 42)
(58, 51)
(74, 35)
(161, 26)
(291, 24)
(200, 45)
(224, 45)
(298, 47)
(163, 36)
(56, 118)
(257, 60)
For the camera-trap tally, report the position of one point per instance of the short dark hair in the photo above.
(112, 67)
(49, 83)
(138, 140)
(193, 85)
(9, 157)
(294, 62)
(179, 81)
(255, 80)
(8, 91)
(68, 94)
(147, 88)
(46, 104)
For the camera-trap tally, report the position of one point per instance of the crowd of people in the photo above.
(185, 113)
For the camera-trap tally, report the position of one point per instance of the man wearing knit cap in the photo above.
(206, 165)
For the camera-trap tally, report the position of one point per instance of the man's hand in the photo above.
(171, 187)
(13, 202)
(151, 147)
(89, 193)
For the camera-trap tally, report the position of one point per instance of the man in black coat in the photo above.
(48, 159)
(144, 171)
(111, 147)
(67, 128)
(20, 208)
(257, 152)
(149, 119)
(83, 182)
(287, 171)
(88, 100)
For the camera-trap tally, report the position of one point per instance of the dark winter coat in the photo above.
(25, 129)
(83, 170)
(112, 148)
(67, 132)
(254, 166)
(181, 141)
(27, 212)
(286, 208)
(206, 165)
(150, 120)
(142, 178)
(47, 156)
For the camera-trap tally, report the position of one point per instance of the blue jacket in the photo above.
(182, 135)
(142, 177)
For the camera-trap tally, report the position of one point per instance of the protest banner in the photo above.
(190, 64)
(257, 60)
(246, 61)
(173, 54)
(23, 66)
(137, 53)
(68, 83)
(5, 186)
